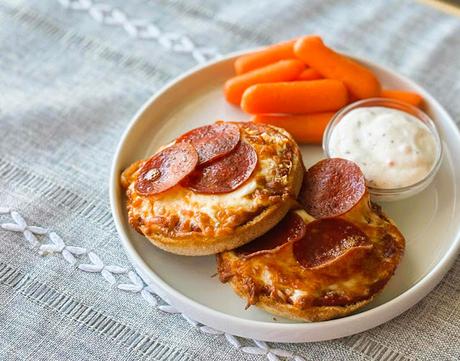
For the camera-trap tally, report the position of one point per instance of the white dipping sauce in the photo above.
(393, 148)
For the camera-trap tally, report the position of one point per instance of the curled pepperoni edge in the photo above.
(189, 164)
(329, 226)
(325, 208)
(292, 221)
(224, 137)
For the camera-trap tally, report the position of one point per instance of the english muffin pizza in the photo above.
(214, 188)
(325, 259)
(303, 244)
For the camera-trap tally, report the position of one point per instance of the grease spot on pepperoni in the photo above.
(212, 141)
(332, 187)
(224, 174)
(166, 168)
(326, 239)
(290, 229)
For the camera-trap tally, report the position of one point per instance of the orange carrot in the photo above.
(283, 70)
(310, 74)
(305, 128)
(360, 81)
(269, 55)
(403, 95)
(297, 97)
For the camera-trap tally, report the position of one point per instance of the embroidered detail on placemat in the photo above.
(29, 232)
(120, 333)
(131, 281)
(142, 29)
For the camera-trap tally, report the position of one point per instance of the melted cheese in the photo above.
(182, 199)
(181, 210)
(297, 295)
(306, 217)
(267, 277)
(353, 278)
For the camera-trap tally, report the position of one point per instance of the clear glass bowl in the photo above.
(391, 194)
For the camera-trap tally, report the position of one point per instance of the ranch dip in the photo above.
(393, 148)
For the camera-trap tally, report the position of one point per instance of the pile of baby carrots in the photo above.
(299, 85)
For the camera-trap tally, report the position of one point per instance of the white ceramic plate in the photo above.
(430, 221)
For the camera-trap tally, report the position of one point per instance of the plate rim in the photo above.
(352, 324)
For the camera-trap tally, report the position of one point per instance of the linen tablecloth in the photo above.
(72, 74)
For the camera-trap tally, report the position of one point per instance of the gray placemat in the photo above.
(72, 73)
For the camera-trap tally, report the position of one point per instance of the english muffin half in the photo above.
(315, 269)
(241, 182)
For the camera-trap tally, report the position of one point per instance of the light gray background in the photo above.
(68, 86)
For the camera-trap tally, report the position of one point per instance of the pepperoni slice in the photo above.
(166, 168)
(327, 239)
(332, 187)
(212, 141)
(290, 229)
(224, 174)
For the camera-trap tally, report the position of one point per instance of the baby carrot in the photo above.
(403, 95)
(305, 128)
(284, 70)
(269, 55)
(360, 81)
(310, 74)
(297, 97)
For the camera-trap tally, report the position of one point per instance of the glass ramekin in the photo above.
(391, 194)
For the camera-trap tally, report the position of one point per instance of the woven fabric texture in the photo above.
(72, 74)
